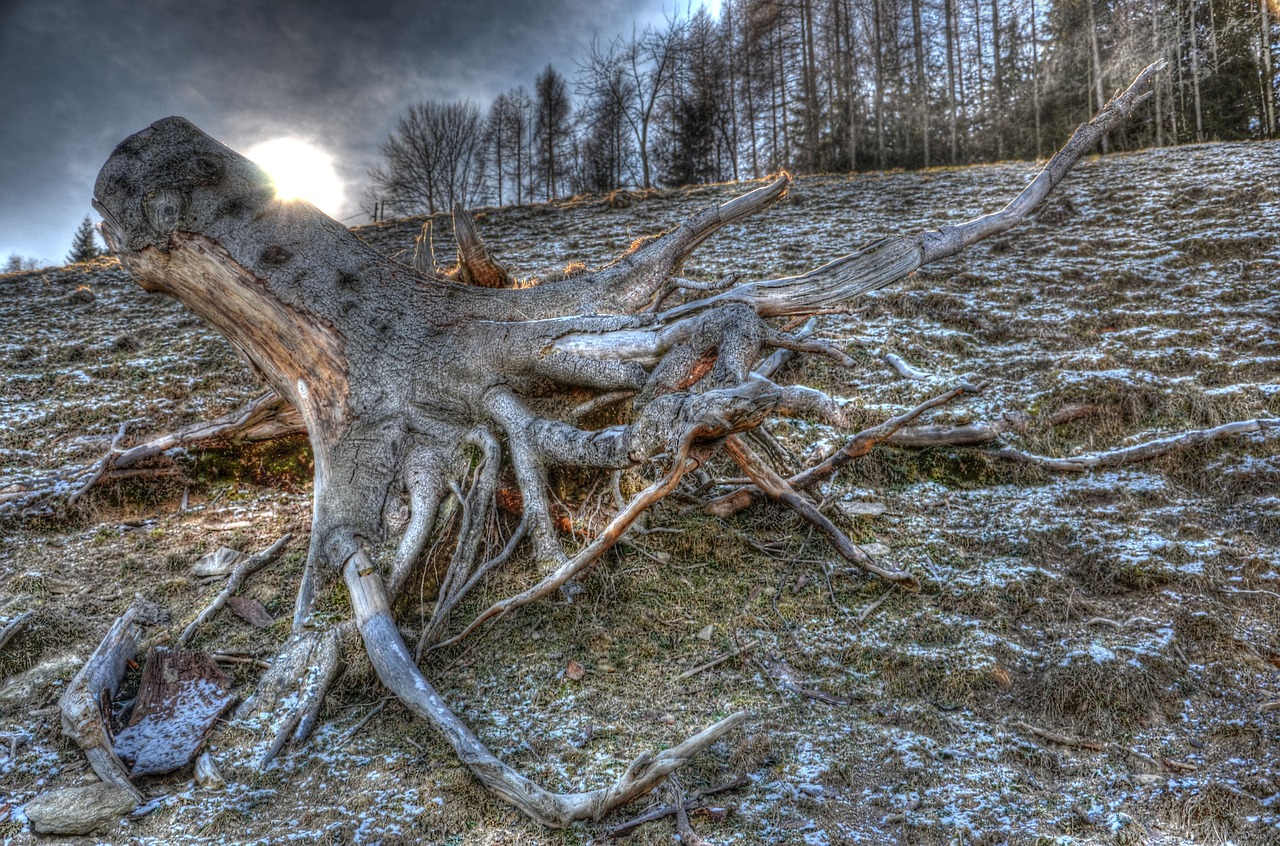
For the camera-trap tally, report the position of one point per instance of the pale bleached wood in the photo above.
(89, 693)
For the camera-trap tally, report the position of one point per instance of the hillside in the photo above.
(1132, 612)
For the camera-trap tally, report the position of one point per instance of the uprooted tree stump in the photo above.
(416, 386)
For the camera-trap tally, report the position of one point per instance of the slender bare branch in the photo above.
(242, 571)
(777, 488)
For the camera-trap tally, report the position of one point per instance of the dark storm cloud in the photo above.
(77, 76)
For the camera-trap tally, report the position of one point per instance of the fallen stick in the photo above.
(871, 609)
(243, 570)
(14, 626)
(100, 469)
(684, 831)
(691, 804)
(1140, 452)
(716, 662)
(1063, 739)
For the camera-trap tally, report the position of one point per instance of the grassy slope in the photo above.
(1147, 287)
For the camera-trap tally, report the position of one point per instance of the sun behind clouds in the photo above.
(301, 171)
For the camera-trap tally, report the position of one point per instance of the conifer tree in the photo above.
(85, 244)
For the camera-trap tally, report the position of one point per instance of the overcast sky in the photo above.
(78, 76)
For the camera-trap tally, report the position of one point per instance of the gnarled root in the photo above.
(426, 397)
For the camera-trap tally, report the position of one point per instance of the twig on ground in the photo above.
(1242, 592)
(1063, 739)
(100, 469)
(363, 721)
(715, 662)
(871, 609)
(692, 803)
(230, 658)
(688, 837)
(900, 366)
(243, 570)
(14, 626)
(1119, 626)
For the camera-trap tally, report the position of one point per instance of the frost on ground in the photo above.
(1093, 658)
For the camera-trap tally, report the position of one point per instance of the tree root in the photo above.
(397, 670)
(466, 375)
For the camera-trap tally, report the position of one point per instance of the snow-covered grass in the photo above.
(1134, 609)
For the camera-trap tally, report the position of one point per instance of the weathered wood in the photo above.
(181, 696)
(10, 629)
(86, 703)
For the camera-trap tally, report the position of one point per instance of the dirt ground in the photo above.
(1133, 612)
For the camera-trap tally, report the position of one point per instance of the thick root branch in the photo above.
(396, 668)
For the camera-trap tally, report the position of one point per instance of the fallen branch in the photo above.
(242, 571)
(684, 831)
(697, 800)
(856, 447)
(777, 488)
(1143, 451)
(14, 626)
(716, 662)
(1063, 739)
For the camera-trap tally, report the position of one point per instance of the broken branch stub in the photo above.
(402, 378)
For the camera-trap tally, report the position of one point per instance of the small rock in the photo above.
(250, 610)
(861, 509)
(207, 774)
(875, 550)
(707, 631)
(220, 562)
(78, 810)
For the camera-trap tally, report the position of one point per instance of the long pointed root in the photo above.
(397, 670)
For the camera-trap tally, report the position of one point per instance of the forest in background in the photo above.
(820, 86)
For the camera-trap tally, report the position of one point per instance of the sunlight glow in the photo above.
(300, 171)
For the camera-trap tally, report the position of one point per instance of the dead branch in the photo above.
(716, 662)
(776, 488)
(854, 448)
(1145, 451)
(684, 831)
(11, 628)
(242, 571)
(692, 803)
(1063, 739)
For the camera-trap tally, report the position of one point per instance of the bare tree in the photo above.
(433, 159)
(551, 130)
(636, 69)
